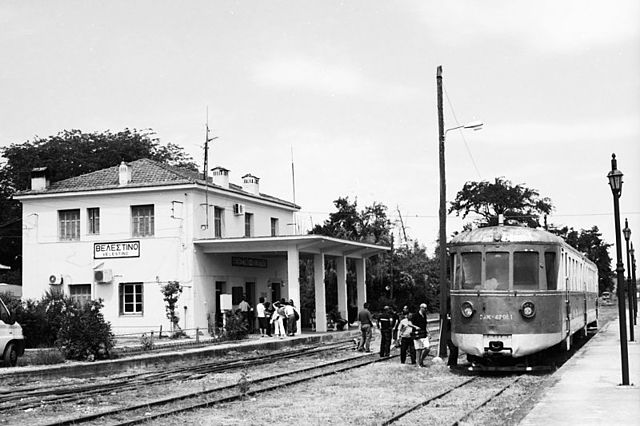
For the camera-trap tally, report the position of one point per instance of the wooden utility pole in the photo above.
(444, 288)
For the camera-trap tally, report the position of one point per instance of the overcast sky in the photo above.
(350, 87)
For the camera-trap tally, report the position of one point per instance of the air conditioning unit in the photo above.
(238, 209)
(103, 276)
(55, 279)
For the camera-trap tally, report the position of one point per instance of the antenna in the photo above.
(207, 139)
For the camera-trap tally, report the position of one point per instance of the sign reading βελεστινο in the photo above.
(116, 250)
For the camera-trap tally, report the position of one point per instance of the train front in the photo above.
(504, 298)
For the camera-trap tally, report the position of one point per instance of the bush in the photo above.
(235, 327)
(84, 334)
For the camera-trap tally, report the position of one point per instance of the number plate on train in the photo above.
(504, 338)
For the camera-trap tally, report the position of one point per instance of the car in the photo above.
(11, 337)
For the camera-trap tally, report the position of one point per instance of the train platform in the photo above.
(174, 354)
(588, 390)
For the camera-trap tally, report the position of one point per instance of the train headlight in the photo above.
(467, 309)
(528, 309)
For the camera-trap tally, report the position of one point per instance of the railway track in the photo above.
(28, 397)
(139, 413)
(438, 403)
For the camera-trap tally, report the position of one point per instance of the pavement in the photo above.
(588, 389)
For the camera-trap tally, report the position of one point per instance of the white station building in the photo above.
(121, 233)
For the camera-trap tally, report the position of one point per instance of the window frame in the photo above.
(138, 299)
(143, 220)
(68, 224)
(93, 220)
(275, 227)
(80, 298)
(218, 222)
(248, 224)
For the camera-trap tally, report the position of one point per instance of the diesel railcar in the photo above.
(517, 291)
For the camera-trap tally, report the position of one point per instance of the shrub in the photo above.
(84, 334)
(171, 292)
(235, 327)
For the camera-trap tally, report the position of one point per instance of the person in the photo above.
(268, 313)
(290, 313)
(262, 319)
(394, 336)
(276, 320)
(366, 328)
(386, 324)
(283, 303)
(244, 307)
(405, 332)
(421, 341)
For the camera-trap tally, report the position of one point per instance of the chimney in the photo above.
(39, 179)
(250, 184)
(124, 174)
(220, 176)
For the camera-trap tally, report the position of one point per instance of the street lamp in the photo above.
(634, 285)
(627, 234)
(444, 289)
(615, 182)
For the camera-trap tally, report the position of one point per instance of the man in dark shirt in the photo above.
(366, 328)
(386, 323)
(422, 334)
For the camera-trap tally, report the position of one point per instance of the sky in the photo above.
(347, 89)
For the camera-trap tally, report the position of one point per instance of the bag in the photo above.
(281, 311)
(296, 314)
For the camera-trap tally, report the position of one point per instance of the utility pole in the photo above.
(404, 232)
(444, 288)
(207, 139)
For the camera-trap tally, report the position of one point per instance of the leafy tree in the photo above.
(501, 197)
(68, 154)
(171, 292)
(84, 334)
(589, 241)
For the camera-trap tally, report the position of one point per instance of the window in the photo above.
(525, 270)
(497, 274)
(248, 222)
(551, 270)
(217, 221)
(69, 224)
(80, 293)
(142, 221)
(93, 215)
(274, 227)
(468, 271)
(130, 298)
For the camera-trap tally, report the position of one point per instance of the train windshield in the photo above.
(525, 270)
(497, 272)
(468, 270)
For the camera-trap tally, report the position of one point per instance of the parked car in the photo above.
(11, 338)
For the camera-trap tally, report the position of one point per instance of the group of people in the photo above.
(408, 330)
(279, 319)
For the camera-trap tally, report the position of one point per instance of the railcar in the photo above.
(518, 291)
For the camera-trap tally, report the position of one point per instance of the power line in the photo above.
(473, 161)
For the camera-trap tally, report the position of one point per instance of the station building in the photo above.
(121, 233)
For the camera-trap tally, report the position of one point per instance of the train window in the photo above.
(468, 276)
(525, 270)
(551, 270)
(497, 273)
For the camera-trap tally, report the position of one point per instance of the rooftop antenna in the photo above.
(207, 139)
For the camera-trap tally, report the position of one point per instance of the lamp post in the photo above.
(615, 182)
(444, 289)
(634, 285)
(627, 234)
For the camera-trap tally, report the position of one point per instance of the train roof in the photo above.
(505, 234)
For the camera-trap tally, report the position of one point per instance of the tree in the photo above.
(501, 197)
(171, 292)
(68, 154)
(589, 241)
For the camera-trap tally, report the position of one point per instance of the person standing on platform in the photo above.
(386, 324)
(276, 320)
(405, 333)
(268, 313)
(290, 312)
(262, 319)
(245, 308)
(421, 341)
(366, 328)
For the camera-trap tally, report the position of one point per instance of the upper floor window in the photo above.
(142, 221)
(69, 224)
(93, 216)
(274, 227)
(248, 224)
(217, 221)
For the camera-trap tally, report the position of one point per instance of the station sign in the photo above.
(116, 250)
(248, 262)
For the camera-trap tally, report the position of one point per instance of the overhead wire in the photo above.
(473, 161)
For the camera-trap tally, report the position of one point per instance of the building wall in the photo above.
(167, 256)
